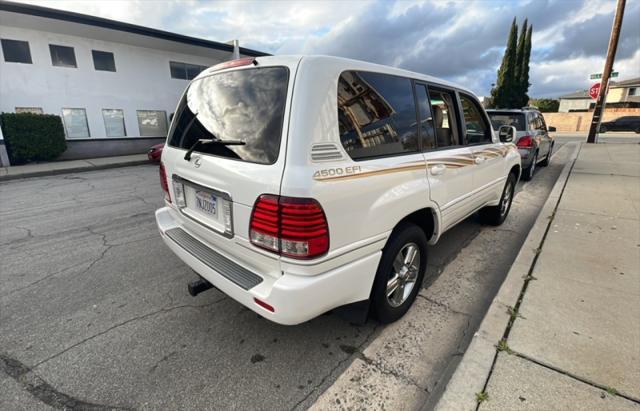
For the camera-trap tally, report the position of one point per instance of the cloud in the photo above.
(458, 40)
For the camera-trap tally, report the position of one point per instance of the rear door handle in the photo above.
(438, 169)
(479, 159)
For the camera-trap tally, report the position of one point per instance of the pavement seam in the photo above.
(575, 377)
(529, 277)
(140, 317)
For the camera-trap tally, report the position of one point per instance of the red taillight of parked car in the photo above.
(525, 142)
(291, 227)
(164, 182)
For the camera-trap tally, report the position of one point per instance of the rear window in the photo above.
(245, 105)
(507, 119)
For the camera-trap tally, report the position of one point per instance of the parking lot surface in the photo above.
(94, 309)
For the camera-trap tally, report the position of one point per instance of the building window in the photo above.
(62, 56)
(75, 122)
(633, 91)
(16, 51)
(32, 110)
(114, 122)
(185, 71)
(152, 123)
(103, 60)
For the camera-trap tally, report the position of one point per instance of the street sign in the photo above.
(598, 76)
(594, 90)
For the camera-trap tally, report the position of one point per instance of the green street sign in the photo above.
(598, 76)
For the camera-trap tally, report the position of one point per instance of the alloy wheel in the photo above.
(403, 277)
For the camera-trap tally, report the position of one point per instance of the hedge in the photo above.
(32, 137)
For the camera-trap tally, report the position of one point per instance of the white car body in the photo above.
(363, 200)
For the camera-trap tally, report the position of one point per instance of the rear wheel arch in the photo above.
(516, 170)
(425, 218)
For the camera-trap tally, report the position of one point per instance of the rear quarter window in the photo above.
(246, 105)
(376, 115)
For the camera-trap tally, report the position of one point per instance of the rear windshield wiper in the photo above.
(187, 155)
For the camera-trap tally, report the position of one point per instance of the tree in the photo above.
(524, 69)
(521, 87)
(502, 95)
(546, 105)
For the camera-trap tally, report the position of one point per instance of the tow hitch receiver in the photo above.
(199, 286)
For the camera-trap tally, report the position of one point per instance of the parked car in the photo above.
(534, 143)
(155, 152)
(296, 185)
(626, 123)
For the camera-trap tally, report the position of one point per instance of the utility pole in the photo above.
(608, 65)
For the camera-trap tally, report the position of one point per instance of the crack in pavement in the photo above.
(383, 370)
(43, 391)
(445, 306)
(337, 366)
(113, 327)
(43, 278)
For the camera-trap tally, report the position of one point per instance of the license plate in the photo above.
(206, 202)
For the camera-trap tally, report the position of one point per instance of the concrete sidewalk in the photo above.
(60, 167)
(564, 330)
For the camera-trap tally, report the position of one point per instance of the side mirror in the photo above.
(507, 133)
(552, 129)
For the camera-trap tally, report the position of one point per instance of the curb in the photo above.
(475, 367)
(80, 169)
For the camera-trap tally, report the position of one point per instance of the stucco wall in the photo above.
(571, 122)
(142, 79)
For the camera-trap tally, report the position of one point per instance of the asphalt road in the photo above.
(94, 310)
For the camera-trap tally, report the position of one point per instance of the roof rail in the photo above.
(530, 108)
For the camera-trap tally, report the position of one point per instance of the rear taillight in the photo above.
(525, 142)
(292, 227)
(164, 183)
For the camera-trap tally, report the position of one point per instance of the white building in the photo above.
(114, 84)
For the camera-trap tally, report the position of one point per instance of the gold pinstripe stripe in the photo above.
(450, 162)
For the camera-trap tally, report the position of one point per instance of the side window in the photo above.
(543, 125)
(427, 134)
(476, 128)
(376, 115)
(444, 117)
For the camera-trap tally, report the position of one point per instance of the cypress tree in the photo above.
(524, 70)
(502, 94)
(520, 87)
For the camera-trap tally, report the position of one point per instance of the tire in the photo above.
(547, 159)
(603, 129)
(637, 130)
(527, 173)
(495, 215)
(388, 307)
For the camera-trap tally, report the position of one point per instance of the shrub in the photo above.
(32, 137)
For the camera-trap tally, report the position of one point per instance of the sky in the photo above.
(458, 40)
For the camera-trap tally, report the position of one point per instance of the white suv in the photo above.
(296, 185)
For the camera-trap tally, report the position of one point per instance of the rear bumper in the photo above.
(526, 155)
(295, 298)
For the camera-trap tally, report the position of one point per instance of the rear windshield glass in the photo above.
(246, 105)
(507, 119)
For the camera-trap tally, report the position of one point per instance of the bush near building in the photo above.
(32, 137)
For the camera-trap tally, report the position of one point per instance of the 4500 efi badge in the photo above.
(300, 184)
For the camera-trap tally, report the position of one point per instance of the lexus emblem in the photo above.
(197, 162)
